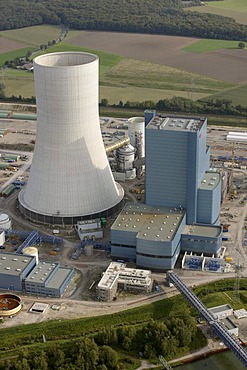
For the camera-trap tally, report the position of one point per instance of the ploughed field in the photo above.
(228, 65)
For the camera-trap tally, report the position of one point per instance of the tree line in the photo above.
(149, 16)
(101, 351)
(180, 104)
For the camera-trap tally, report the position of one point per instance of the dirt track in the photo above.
(226, 65)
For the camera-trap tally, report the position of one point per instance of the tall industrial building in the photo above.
(183, 197)
(70, 178)
(178, 168)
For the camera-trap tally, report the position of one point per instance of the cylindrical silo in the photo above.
(88, 250)
(31, 251)
(136, 132)
(70, 177)
(125, 158)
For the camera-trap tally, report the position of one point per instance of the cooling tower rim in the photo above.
(80, 59)
(31, 209)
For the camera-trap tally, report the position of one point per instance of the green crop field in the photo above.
(238, 95)
(35, 35)
(107, 60)
(208, 45)
(240, 5)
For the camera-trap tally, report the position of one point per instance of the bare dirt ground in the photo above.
(225, 65)
(9, 45)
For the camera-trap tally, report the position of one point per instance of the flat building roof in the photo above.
(13, 263)
(201, 230)
(149, 222)
(59, 277)
(210, 181)
(41, 272)
(222, 308)
(176, 123)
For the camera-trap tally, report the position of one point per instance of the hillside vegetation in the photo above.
(149, 16)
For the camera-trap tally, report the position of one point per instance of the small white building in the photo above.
(221, 312)
(118, 276)
(89, 229)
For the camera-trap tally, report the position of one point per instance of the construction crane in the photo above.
(231, 190)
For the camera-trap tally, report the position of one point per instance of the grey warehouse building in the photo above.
(153, 237)
(14, 268)
(19, 272)
(182, 193)
(48, 279)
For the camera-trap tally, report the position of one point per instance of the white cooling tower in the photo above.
(70, 178)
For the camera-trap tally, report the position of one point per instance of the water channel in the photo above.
(220, 361)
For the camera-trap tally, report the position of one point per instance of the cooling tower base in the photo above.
(65, 220)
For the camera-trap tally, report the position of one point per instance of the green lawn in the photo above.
(35, 35)
(14, 54)
(208, 45)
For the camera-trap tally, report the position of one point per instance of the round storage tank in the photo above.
(31, 251)
(136, 132)
(125, 158)
(10, 304)
(5, 222)
(118, 135)
(88, 250)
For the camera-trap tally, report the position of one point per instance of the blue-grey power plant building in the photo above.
(182, 197)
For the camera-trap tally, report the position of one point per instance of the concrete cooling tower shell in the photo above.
(70, 177)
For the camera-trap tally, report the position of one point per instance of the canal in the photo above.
(220, 361)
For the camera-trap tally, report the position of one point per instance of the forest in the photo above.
(101, 350)
(138, 16)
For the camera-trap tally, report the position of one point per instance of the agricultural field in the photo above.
(139, 67)
(236, 9)
(34, 36)
(208, 45)
(168, 51)
(236, 94)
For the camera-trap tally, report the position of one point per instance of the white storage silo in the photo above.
(70, 177)
(5, 222)
(31, 251)
(136, 132)
(125, 158)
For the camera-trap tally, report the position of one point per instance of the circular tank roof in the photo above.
(10, 304)
(4, 217)
(65, 59)
(30, 250)
(126, 149)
